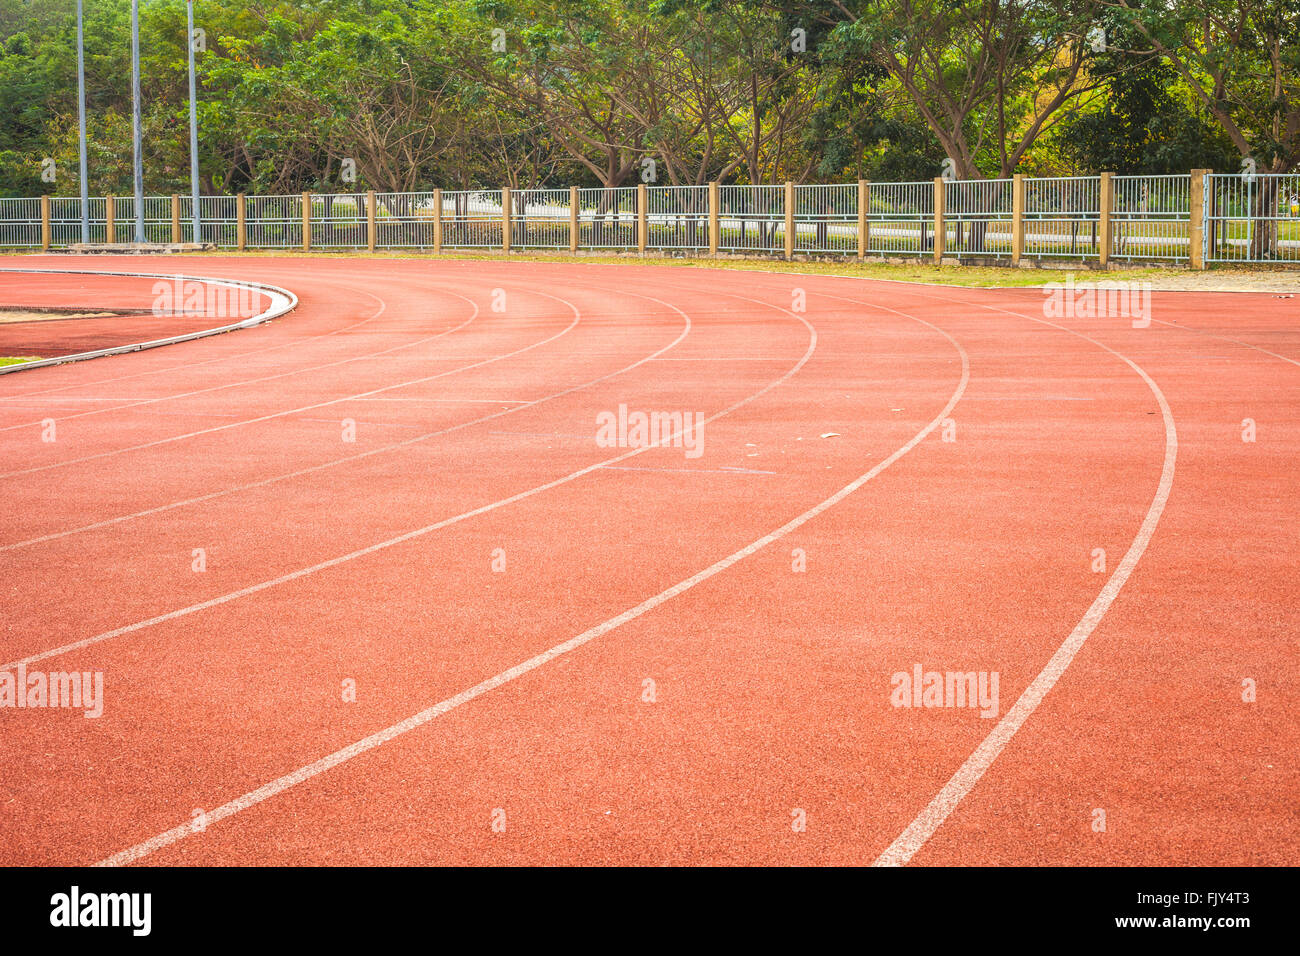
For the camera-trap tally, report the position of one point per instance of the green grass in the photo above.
(11, 360)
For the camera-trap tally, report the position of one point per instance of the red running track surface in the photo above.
(649, 679)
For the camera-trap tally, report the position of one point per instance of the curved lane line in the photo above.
(381, 737)
(282, 302)
(517, 407)
(305, 408)
(383, 306)
(187, 366)
(923, 826)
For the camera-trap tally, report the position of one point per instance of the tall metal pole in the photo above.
(135, 121)
(194, 128)
(81, 124)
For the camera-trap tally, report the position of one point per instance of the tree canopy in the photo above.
(403, 95)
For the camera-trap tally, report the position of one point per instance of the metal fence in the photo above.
(826, 219)
(220, 219)
(406, 220)
(472, 219)
(1232, 218)
(900, 218)
(539, 218)
(1151, 217)
(977, 217)
(1062, 216)
(157, 218)
(274, 222)
(20, 223)
(677, 217)
(607, 218)
(752, 218)
(65, 219)
(1252, 218)
(338, 220)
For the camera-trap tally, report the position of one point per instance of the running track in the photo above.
(519, 696)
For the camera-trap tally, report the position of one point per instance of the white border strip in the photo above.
(282, 302)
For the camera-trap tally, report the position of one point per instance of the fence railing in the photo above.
(826, 219)
(1152, 217)
(900, 218)
(1252, 218)
(978, 217)
(1197, 218)
(1062, 216)
(677, 217)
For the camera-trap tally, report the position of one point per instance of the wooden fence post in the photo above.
(110, 220)
(940, 209)
(370, 220)
(1105, 202)
(505, 218)
(437, 221)
(864, 222)
(306, 222)
(241, 222)
(176, 218)
(45, 223)
(642, 218)
(1196, 221)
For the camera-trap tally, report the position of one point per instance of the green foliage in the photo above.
(587, 91)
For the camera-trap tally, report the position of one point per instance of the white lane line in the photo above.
(136, 403)
(452, 401)
(295, 411)
(491, 506)
(281, 784)
(279, 302)
(427, 529)
(693, 471)
(1224, 338)
(70, 398)
(187, 366)
(723, 359)
(977, 764)
(374, 451)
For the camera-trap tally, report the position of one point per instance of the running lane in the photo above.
(893, 476)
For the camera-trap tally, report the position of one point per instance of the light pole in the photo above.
(194, 127)
(81, 125)
(135, 121)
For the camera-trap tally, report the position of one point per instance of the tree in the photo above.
(1242, 59)
(986, 76)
